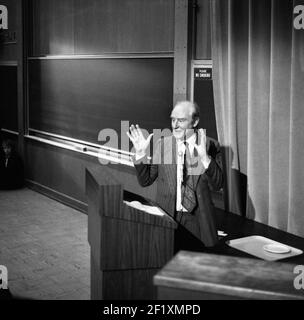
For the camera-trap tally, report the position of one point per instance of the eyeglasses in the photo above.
(179, 120)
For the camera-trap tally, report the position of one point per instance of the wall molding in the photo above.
(58, 196)
(15, 133)
(8, 63)
(145, 55)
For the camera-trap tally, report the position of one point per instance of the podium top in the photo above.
(108, 195)
(102, 176)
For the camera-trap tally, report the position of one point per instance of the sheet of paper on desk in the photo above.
(221, 233)
(149, 209)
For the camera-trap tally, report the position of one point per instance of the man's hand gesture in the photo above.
(201, 148)
(140, 144)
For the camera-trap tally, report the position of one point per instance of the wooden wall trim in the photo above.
(21, 72)
(10, 131)
(182, 49)
(8, 63)
(106, 56)
(58, 196)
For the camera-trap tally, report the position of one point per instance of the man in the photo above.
(11, 167)
(184, 183)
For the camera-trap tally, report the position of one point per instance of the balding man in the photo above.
(186, 165)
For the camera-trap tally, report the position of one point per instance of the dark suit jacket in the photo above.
(201, 222)
(12, 176)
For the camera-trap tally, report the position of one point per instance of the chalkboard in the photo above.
(8, 94)
(79, 97)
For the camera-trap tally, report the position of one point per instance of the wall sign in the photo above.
(203, 73)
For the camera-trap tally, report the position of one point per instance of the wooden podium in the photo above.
(128, 246)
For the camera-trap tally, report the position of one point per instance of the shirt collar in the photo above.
(191, 141)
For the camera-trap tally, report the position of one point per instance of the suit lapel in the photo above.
(195, 161)
(171, 167)
(195, 181)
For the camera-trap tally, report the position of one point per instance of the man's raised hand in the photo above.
(140, 143)
(201, 148)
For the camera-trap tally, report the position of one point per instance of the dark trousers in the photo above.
(185, 240)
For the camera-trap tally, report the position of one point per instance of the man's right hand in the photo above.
(140, 144)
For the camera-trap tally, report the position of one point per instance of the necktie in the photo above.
(185, 164)
(187, 190)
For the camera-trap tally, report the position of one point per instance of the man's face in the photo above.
(7, 150)
(182, 122)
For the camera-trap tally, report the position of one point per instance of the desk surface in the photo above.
(210, 275)
(219, 273)
(238, 227)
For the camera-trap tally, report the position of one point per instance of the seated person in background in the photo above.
(11, 167)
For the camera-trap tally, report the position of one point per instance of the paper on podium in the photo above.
(149, 209)
(221, 233)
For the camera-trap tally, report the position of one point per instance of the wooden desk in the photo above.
(193, 275)
(239, 227)
(226, 273)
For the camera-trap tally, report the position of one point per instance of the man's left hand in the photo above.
(201, 148)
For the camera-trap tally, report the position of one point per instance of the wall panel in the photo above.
(52, 27)
(123, 26)
(63, 171)
(8, 96)
(101, 26)
(203, 30)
